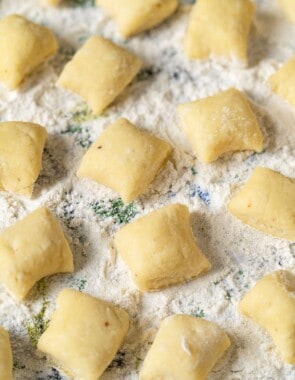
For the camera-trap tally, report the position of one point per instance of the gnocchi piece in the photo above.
(271, 304)
(133, 17)
(283, 82)
(185, 347)
(267, 203)
(219, 124)
(5, 356)
(219, 28)
(21, 148)
(26, 46)
(84, 334)
(31, 249)
(125, 158)
(99, 72)
(160, 250)
(288, 7)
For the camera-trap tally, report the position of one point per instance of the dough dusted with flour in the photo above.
(125, 158)
(31, 249)
(99, 72)
(84, 334)
(5, 356)
(267, 203)
(185, 347)
(283, 81)
(219, 28)
(21, 148)
(288, 7)
(271, 304)
(26, 46)
(219, 124)
(160, 250)
(133, 17)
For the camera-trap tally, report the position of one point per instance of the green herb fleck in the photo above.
(228, 294)
(193, 170)
(115, 208)
(82, 3)
(17, 365)
(38, 325)
(82, 114)
(147, 73)
(199, 313)
(82, 135)
(119, 360)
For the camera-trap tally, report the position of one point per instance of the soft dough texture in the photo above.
(219, 124)
(288, 7)
(99, 72)
(5, 356)
(185, 348)
(267, 203)
(271, 304)
(21, 148)
(31, 249)
(125, 158)
(160, 250)
(24, 46)
(84, 334)
(283, 81)
(219, 28)
(133, 17)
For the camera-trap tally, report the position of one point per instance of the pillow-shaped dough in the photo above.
(288, 7)
(271, 304)
(84, 334)
(21, 148)
(5, 356)
(24, 46)
(125, 158)
(133, 17)
(283, 81)
(160, 250)
(31, 249)
(267, 203)
(99, 72)
(185, 348)
(219, 124)
(219, 28)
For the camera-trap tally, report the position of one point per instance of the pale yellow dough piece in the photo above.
(271, 304)
(99, 72)
(219, 124)
(5, 356)
(185, 348)
(21, 148)
(288, 7)
(219, 28)
(125, 158)
(31, 249)
(283, 81)
(84, 334)
(267, 203)
(133, 17)
(24, 46)
(160, 250)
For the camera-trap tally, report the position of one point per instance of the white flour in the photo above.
(239, 255)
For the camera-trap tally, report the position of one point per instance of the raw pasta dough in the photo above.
(84, 334)
(219, 28)
(125, 159)
(99, 72)
(267, 203)
(31, 249)
(283, 81)
(221, 123)
(133, 17)
(160, 250)
(185, 348)
(21, 148)
(24, 46)
(271, 304)
(5, 356)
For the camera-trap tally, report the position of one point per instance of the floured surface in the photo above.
(90, 214)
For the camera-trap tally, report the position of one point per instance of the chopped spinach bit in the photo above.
(147, 73)
(38, 325)
(199, 313)
(82, 114)
(82, 3)
(82, 135)
(193, 170)
(116, 209)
